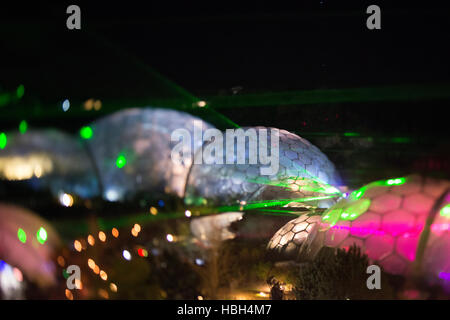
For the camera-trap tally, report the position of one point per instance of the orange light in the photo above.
(115, 232)
(113, 287)
(96, 270)
(103, 275)
(69, 294)
(103, 293)
(91, 264)
(102, 236)
(91, 240)
(153, 211)
(61, 260)
(137, 227)
(134, 232)
(78, 284)
(77, 245)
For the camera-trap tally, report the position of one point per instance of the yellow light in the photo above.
(91, 264)
(188, 213)
(102, 236)
(69, 294)
(77, 245)
(113, 287)
(97, 105)
(61, 260)
(115, 232)
(262, 294)
(137, 227)
(103, 275)
(91, 240)
(153, 211)
(200, 298)
(201, 104)
(134, 232)
(89, 104)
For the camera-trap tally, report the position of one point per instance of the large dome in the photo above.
(132, 150)
(400, 223)
(304, 172)
(49, 159)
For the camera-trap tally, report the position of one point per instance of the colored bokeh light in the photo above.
(21, 234)
(121, 161)
(41, 235)
(86, 133)
(3, 140)
(23, 126)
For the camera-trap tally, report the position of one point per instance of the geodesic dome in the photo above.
(304, 172)
(399, 223)
(29, 243)
(49, 159)
(132, 150)
(289, 239)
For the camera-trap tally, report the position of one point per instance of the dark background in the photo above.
(138, 53)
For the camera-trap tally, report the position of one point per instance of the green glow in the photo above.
(351, 134)
(445, 211)
(332, 216)
(23, 126)
(21, 235)
(401, 140)
(395, 182)
(20, 91)
(357, 194)
(121, 161)
(41, 235)
(86, 132)
(3, 140)
(356, 209)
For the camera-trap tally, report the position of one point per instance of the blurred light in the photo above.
(23, 167)
(3, 140)
(89, 104)
(396, 182)
(97, 105)
(112, 195)
(169, 237)
(78, 284)
(121, 161)
(187, 213)
(153, 211)
(77, 245)
(96, 269)
(91, 240)
(18, 274)
(161, 203)
(69, 294)
(262, 294)
(21, 234)
(137, 227)
(102, 236)
(115, 232)
(103, 293)
(91, 263)
(66, 199)
(103, 275)
(41, 235)
(126, 255)
(23, 126)
(134, 232)
(66, 105)
(142, 252)
(200, 298)
(20, 91)
(86, 132)
(61, 261)
(199, 262)
(113, 287)
(201, 104)
(2, 265)
(445, 211)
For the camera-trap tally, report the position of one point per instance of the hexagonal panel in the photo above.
(408, 188)
(379, 246)
(385, 202)
(406, 246)
(418, 203)
(300, 237)
(336, 234)
(398, 222)
(365, 225)
(375, 191)
(394, 264)
(300, 227)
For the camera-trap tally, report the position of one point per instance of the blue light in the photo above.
(161, 203)
(2, 265)
(66, 105)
